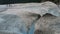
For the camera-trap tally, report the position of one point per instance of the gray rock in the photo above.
(3, 8)
(38, 8)
(56, 25)
(11, 24)
(23, 11)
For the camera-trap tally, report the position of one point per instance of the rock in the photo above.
(11, 24)
(26, 10)
(59, 6)
(30, 11)
(37, 8)
(55, 25)
(44, 22)
(38, 32)
(43, 32)
(26, 16)
(3, 8)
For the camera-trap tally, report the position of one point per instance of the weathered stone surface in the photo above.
(29, 11)
(44, 22)
(3, 8)
(38, 8)
(11, 24)
(56, 25)
(59, 6)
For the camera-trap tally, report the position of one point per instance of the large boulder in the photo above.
(30, 11)
(37, 8)
(26, 10)
(43, 24)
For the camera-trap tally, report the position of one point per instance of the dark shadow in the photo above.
(48, 14)
(26, 1)
(38, 32)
